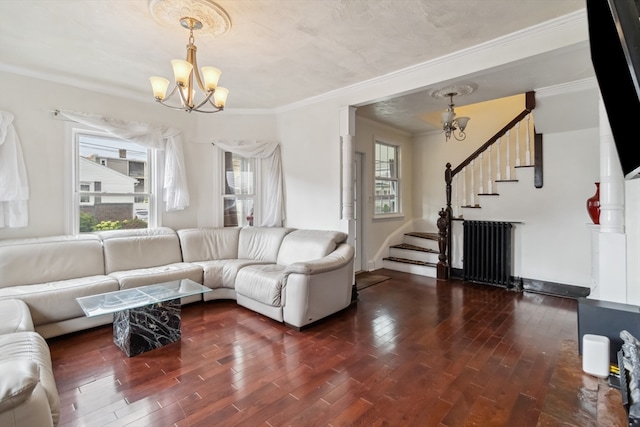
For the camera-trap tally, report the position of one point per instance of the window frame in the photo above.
(256, 189)
(73, 193)
(397, 180)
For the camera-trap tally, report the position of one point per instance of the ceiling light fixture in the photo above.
(452, 125)
(213, 97)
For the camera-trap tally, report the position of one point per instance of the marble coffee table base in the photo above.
(138, 330)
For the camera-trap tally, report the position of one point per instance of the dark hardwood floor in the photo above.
(411, 352)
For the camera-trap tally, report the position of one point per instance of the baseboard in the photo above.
(556, 289)
(539, 286)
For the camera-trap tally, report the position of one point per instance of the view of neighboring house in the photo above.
(98, 178)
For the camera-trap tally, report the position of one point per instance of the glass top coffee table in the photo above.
(145, 318)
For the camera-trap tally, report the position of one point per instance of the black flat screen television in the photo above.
(614, 41)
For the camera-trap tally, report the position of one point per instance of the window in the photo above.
(387, 181)
(110, 183)
(239, 190)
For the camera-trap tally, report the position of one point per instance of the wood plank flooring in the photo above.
(412, 352)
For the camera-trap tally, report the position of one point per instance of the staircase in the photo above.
(476, 177)
(418, 254)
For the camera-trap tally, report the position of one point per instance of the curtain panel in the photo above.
(271, 188)
(176, 193)
(14, 187)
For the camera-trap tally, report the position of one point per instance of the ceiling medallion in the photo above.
(213, 18)
(456, 90)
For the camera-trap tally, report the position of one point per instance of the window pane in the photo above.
(386, 197)
(238, 212)
(116, 169)
(110, 213)
(239, 174)
(386, 161)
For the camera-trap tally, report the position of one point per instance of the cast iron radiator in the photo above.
(487, 252)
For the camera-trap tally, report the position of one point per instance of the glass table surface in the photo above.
(111, 302)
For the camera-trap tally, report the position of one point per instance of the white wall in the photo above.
(45, 146)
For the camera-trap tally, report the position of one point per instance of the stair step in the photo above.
(410, 247)
(427, 269)
(410, 261)
(413, 252)
(430, 236)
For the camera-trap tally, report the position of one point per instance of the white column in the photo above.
(612, 254)
(347, 132)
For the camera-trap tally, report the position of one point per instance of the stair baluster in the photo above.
(508, 156)
(527, 141)
(473, 185)
(498, 160)
(518, 144)
(489, 181)
(481, 178)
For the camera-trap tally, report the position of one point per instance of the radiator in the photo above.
(487, 252)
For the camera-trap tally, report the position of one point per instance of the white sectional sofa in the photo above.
(293, 276)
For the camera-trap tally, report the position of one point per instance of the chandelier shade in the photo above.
(211, 98)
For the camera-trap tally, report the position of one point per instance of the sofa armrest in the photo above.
(340, 257)
(19, 378)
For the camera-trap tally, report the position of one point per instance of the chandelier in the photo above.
(212, 97)
(452, 125)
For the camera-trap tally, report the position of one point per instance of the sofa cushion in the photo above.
(139, 248)
(19, 378)
(14, 316)
(154, 275)
(261, 243)
(30, 347)
(56, 301)
(262, 283)
(222, 273)
(48, 259)
(308, 245)
(206, 244)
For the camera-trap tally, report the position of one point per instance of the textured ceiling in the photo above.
(276, 52)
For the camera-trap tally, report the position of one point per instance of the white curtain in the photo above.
(176, 193)
(271, 190)
(14, 187)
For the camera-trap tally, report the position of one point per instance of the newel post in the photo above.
(443, 267)
(444, 226)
